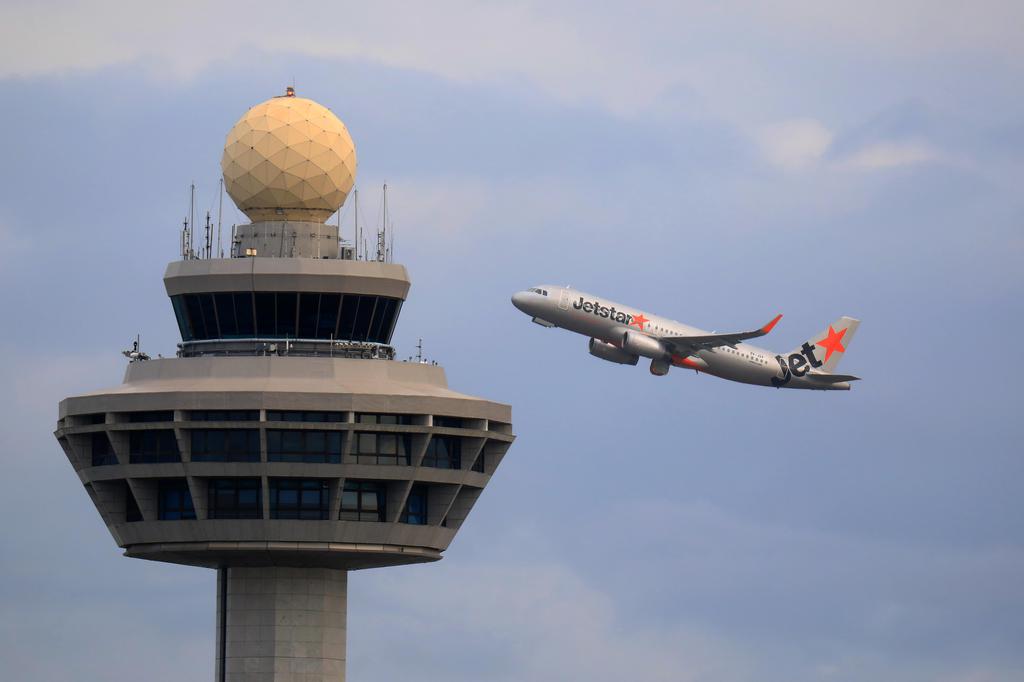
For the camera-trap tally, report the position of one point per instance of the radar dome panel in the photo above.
(289, 158)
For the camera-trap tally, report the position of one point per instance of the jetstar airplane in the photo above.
(623, 335)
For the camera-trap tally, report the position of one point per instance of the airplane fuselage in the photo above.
(608, 322)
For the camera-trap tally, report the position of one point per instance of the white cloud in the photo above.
(804, 144)
(796, 144)
(884, 155)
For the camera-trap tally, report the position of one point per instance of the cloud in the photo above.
(533, 621)
(795, 144)
(804, 144)
(884, 155)
(623, 58)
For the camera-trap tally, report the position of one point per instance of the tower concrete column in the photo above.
(277, 624)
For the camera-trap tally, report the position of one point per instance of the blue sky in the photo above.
(715, 165)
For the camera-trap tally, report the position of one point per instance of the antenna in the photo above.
(419, 352)
(220, 214)
(355, 227)
(383, 231)
(192, 218)
(209, 236)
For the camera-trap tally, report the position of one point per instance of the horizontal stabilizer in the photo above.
(832, 378)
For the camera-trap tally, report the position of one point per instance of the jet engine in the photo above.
(641, 344)
(659, 367)
(606, 351)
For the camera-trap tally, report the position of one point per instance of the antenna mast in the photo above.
(355, 228)
(382, 248)
(208, 236)
(220, 214)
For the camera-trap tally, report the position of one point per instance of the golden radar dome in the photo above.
(289, 158)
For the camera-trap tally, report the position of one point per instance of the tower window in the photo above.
(235, 498)
(382, 448)
(224, 415)
(444, 452)
(363, 501)
(154, 446)
(225, 445)
(174, 500)
(415, 511)
(304, 416)
(151, 416)
(448, 422)
(299, 498)
(102, 451)
(304, 446)
(384, 419)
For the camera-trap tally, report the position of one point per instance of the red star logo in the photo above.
(833, 343)
(639, 321)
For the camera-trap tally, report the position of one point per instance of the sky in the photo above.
(716, 163)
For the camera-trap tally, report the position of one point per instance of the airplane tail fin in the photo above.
(830, 345)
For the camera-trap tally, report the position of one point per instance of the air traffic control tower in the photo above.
(284, 446)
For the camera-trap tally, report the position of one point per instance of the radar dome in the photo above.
(289, 158)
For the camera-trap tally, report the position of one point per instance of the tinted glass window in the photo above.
(347, 319)
(415, 511)
(304, 416)
(224, 415)
(235, 498)
(478, 465)
(244, 314)
(444, 452)
(448, 422)
(195, 317)
(304, 446)
(226, 315)
(154, 446)
(386, 419)
(363, 317)
(306, 315)
(161, 416)
(309, 307)
(382, 448)
(363, 501)
(299, 498)
(381, 317)
(102, 452)
(225, 445)
(174, 500)
(287, 305)
(327, 320)
(181, 315)
(266, 315)
(209, 314)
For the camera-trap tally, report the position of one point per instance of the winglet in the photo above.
(771, 325)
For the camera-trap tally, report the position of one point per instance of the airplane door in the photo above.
(563, 299)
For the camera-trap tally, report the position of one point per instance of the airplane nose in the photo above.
(519, 300)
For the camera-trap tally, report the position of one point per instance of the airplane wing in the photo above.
(692, 344)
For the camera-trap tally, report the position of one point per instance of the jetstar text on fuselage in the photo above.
(599, 310)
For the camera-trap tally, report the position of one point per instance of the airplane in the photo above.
(622, 334)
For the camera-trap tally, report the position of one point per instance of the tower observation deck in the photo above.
(284, 446)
